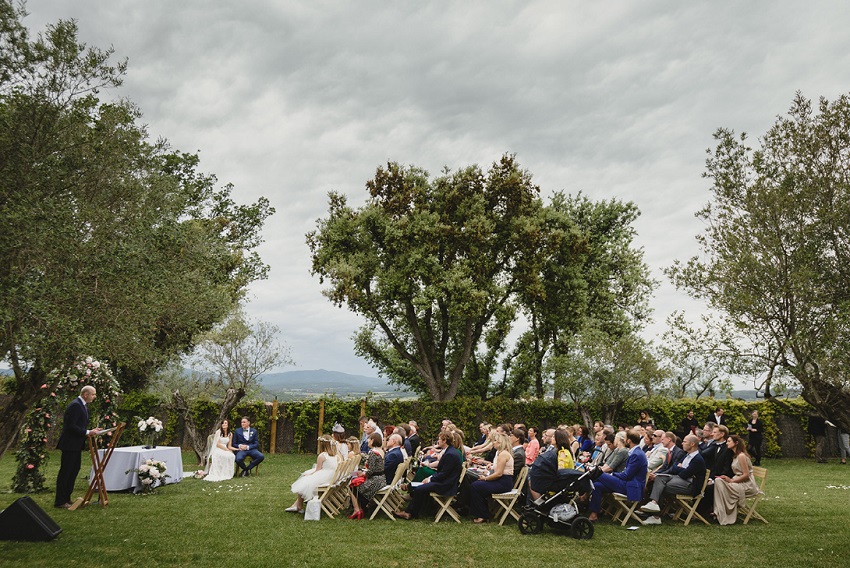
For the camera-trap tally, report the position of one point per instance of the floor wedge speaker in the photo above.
(24, 520)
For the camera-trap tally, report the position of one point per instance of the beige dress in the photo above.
(728, 496)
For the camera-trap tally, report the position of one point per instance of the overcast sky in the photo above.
(291, 100)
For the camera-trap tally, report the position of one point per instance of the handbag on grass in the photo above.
(313, 510)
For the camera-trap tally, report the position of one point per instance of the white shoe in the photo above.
(651, 507)
(292, 509)
(652, 521)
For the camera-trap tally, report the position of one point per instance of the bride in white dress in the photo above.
(222, 456)
(322, 473)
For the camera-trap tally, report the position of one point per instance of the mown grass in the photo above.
(242, 523)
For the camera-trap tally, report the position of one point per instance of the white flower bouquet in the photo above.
(151, 474)
(150, 430)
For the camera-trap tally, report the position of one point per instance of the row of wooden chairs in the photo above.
(684, 507)
(334, 496)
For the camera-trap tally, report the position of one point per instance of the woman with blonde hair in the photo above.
(322, 473)
(731, 492)
(499, 479)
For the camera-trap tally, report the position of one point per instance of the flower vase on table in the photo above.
(150, 429)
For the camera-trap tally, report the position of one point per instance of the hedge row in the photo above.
(297, 425)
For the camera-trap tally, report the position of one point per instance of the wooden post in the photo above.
(273, 441)
(321, 422)
(362, 414)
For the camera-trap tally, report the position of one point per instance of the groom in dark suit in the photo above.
(72, 442)
(247, 443)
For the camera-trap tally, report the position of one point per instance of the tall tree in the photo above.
(109, 244)
(776, 250)
(587, 273)
(231, 359)
(430, 264)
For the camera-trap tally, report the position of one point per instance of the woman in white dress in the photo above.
(322, 473)
(222, 456)
(338, 433)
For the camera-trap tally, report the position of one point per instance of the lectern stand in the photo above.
(99, 463)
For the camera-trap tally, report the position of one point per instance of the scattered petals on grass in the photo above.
(838, 487)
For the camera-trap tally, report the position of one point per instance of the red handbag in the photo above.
(355, 481)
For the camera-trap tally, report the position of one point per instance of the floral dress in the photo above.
(375, 479)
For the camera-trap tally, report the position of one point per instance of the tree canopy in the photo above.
(441, 268)
(111, 244)
(776, 250)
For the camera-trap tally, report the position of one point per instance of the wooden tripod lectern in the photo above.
(99, 463)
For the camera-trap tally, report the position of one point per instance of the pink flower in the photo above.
(53, 394)
(29, 430)
(47, 415)
(30, 466)
(44, 386)
(45, 440)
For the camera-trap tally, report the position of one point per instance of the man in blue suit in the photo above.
(71, 442)
(684, 478)
(394, 457)
(630, 481)
(247, 443)
(444, 482)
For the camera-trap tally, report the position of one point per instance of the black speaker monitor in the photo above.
(25, 520)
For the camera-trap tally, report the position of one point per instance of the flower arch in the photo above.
(32, 448)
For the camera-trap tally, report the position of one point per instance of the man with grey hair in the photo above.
(393, 458)
(685, 478)
(71, 442)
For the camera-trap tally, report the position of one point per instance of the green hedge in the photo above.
(298, 421)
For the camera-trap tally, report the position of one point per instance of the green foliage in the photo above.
(112, 243)
(775, 257)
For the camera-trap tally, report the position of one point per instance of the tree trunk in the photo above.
(198, 440)
(12, 417)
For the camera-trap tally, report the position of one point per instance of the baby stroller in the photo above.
(557, 506)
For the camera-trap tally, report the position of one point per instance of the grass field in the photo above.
(241, 523)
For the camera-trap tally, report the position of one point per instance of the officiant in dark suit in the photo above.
(247, 443)
(72, 442)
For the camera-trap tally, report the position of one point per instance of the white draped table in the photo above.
(124, 459)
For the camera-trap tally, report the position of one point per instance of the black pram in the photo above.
(557, 505)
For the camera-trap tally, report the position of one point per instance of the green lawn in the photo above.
(241, 523)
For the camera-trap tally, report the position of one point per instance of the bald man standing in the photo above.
(72, 443)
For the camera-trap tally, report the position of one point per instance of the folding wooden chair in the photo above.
(388, 498)
(689, 504)
(748, 510)
(445, 501)
(625, 508)
(326, 492)
(509, 499)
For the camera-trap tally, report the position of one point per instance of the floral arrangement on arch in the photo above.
(59, 389)
(150, 428)
(151, 474)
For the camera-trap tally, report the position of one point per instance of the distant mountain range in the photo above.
(291, 385)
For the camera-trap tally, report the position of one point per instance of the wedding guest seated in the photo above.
(685, 478)
(550, 466)
(247, 442)
(483, 429)
(338, 433)
(323, 472)
(616, 460)
(443, 482)
(353, 445)
(630, 481)
(369, 428)
(414, 437)
(584, 439)
(645, 421)
(674, 456)
(532, 446)
(394, 456)
(707, 439)
(517, 438)
(732, 492)
(655, 456)
(499, 479)
(362, 494)
(548, 438)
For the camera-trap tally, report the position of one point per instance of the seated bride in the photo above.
(222, 460)
(322, 473)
